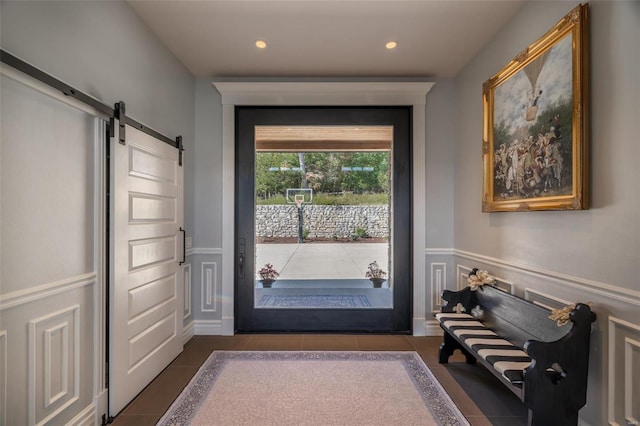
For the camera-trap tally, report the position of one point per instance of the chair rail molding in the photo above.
(582, 284)
(322, 93)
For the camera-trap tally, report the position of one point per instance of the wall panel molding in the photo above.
(462, 273)
(438, 283)
(53, 363)
(21, 297)
(206, 250)
(624, 358)
(208, 286)
(543, 299)
(86, 417)
(3, 377)
(597, 288)
(186, 270)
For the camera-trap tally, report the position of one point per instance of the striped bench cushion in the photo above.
(508, 359)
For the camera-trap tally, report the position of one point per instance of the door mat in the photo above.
(314, 301)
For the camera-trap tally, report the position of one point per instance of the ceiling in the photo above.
(325, 38)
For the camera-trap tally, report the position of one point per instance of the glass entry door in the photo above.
(323, 219)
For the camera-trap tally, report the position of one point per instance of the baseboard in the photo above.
(188, 332)
(207, 327)
(101, 402)
(86, 417)
(433, 328)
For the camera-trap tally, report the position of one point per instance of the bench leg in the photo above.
(449, 344)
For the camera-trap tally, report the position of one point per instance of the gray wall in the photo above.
(103, 49)
(588, 256)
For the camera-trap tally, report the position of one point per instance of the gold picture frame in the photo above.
(535, 136)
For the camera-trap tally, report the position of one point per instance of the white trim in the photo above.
(19, 297)
(630, 379)
(207, 327)
(595, 287)
(528, 292)
(186, 271)
(188, 331)
(323, 93)
(433, 328)
(86, 417)
(209, 287)
(205, 250)
(613, 324)
(439, 251)
(3, 376)
(32, 363)
(438, 283)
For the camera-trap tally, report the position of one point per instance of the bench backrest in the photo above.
(516, 319)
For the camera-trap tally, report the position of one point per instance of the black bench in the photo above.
(544, 364)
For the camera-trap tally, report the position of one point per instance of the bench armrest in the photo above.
(465, 297)
(559, 371)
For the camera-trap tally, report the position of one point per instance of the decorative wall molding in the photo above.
(186, 270)
(439, 251)
(624, 353)
(86, 417)
(631, 358)
(601, 289)
(543, 299)
(21, 297)
(207, 250)
(46, 360)
(462, 273)
(208, 286)
(438, 283)
(3, 376)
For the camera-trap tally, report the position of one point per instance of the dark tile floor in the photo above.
(477, 393)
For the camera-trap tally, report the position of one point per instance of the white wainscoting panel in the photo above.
(545, 300)
(438, 283)
(186, 270)
(3, 377)
(463, 274)
(624, 360)
(54, 363)
(209, 286)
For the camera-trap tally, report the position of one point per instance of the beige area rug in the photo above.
(313, 388)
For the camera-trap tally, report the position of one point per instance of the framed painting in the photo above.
(535, 135)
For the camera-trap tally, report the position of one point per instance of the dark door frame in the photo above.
(396, 320)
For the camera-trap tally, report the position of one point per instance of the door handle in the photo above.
(241, 265)
(184, 246)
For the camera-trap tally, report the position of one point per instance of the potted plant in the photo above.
(375, 274)
(268, 275)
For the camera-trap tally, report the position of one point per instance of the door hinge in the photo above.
(122, 118)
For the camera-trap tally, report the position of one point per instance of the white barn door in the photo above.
(146, 281)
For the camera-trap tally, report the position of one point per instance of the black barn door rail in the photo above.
(117, 112)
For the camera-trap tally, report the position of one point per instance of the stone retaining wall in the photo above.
(322, 221)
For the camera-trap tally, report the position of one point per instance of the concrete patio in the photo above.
(322, 261)
(324, 269)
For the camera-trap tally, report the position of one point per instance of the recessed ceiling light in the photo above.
(261, 44)
(391, 45)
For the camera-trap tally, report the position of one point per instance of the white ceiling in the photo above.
(325, 38)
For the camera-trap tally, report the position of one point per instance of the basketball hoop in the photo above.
(299, 201)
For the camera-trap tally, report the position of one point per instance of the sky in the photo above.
(554, 81)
